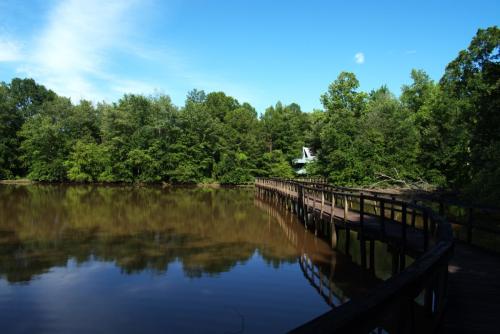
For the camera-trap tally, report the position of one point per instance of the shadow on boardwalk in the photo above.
(474, 291)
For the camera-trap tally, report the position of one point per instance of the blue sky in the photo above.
(257, 51)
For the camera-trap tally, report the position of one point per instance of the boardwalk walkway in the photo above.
(473, 291)
(471, 287)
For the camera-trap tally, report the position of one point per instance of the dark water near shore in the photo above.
(80, 259)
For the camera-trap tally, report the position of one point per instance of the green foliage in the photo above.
(19, 100)
(276, 165)
(388, 139)
(342, 96)
(87, 162)
(444, 133)
(344, 107)
(234, 168)
(284, 128)
(49, 136)
(472, 81)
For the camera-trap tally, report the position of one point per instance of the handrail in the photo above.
(419, 196)
(389, 306)
(468, 220)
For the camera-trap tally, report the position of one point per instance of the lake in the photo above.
(101, 259)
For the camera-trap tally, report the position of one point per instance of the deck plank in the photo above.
(474, 291)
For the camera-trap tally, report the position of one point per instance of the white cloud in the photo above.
(9, 50)
(359, 58)
(89, 49)
(410, 52)
(74, 49)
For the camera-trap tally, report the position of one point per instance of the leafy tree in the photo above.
(235, 168)
(416, 95)
(142, 165)
(388, 140)
(473, 81)
(19, 101)
(199, 145)
(241, 132)
(45, 141)
(8, 138)
(317, 121)
(49, 136)
(87, 162)
(343, 96)
(284, 128)
(344, 106)
(276, 165)
(219, 105)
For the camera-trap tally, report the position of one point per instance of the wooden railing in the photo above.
(473, 224)
(417, 292)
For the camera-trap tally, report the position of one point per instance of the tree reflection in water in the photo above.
(186, 259)
(208, 230)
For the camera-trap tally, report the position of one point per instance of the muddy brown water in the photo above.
(101, 259)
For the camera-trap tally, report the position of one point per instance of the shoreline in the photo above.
(17, 182)
(212, 185)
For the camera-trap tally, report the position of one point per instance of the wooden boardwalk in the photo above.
(473, 291)
(390, 230)
(473, 301)
(461, 293)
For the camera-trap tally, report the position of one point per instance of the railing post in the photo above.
(346, 208)
(426, 230)
(306, 206)
(300, 201)
(413, 216)
(333, 206)
(392, 208)
(403, 235)
(322, 204)
(361, 210)
(470, 222)
(382, 217)
(361, 230)
(332, 224)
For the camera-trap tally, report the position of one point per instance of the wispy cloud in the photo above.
(93, 49)
(74, 50)
(359, 58)
(410, 52)
(10, 50)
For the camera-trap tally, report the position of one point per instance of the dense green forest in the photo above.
(442, 134)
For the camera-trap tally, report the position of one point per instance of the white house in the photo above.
(300, 163)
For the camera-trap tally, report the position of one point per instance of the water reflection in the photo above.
(96, 258)
(140, 229)
(332, 274)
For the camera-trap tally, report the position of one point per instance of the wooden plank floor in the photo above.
(474, 291)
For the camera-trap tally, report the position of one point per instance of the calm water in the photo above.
(77, 259)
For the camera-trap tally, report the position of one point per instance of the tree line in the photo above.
(443, 134)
